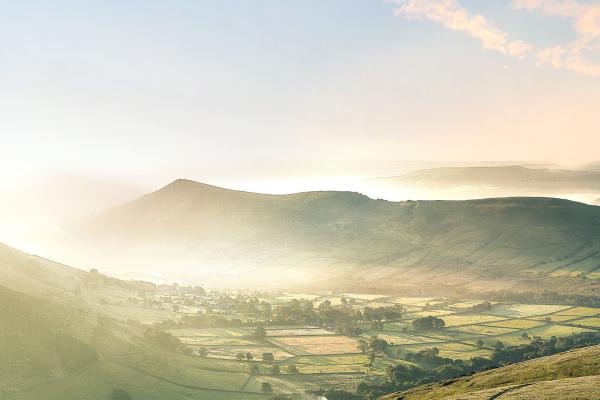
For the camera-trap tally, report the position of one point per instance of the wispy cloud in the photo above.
(450, 14)
(573, 56)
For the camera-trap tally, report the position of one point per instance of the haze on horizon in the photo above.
(102, 102)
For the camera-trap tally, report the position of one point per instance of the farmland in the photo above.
(294, 358)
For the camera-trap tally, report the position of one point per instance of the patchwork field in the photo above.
(330, 344)
(298, 332)
(312, 357)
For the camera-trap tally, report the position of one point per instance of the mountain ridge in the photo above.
(188, 225)
(496, 181)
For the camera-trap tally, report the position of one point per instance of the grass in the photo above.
(581, 311)
(517, 324)
(400, 339)
(457, 351)
(230, 352)
(556, 317)
(211, 332)
(484, 330)
(595, 322)
(99, 380)
(467, 319)
(332, 344)
(433, 313)
(578, 363)
(298, 332)
(329, 360)
(556, 330)
(526, 310)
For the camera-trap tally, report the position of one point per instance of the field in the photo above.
(330, 344)
(313, 357)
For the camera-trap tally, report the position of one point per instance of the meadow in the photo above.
(314, 357)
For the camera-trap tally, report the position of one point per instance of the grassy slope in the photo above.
(524, 379)
(188, 224)
(58, 342)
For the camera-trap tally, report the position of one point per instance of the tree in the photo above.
(363, 345)
(480, 343)
(525, 336)
(120, 394)
(428, 323)
(498, 345)
(254, 369)
(239, 356)
(265, 387)
(377, 345)
(260, 333)
(249, 356)
(202, 351)
(268, 357)
(292, 369)
(275, 370)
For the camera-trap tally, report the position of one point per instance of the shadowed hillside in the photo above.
(193, 229)
(570, 375)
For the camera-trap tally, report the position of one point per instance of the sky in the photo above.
(150, 91)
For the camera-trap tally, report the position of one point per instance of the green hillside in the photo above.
(191, 228)
(570, 375)
(66, 334)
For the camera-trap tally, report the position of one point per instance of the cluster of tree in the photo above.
(430, 322)
(163, 340)
(343, 319)
(481, 307)
(538, 297)
(274, 369)
(177, 289)
(388, 313)
(296, 312)
(374, 345)
(403, 377)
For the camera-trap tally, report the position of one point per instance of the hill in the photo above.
(206, 233)
(73, 335)
(456, 183)
(594, 166)
(570, 375)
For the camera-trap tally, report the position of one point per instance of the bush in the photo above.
(120, 394)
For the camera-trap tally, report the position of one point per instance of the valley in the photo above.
(94, 334)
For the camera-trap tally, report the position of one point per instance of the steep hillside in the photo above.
(197, 230)
(571, 375)
(456, 183)
(67, 334)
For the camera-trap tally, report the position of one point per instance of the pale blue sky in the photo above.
(187, 88)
